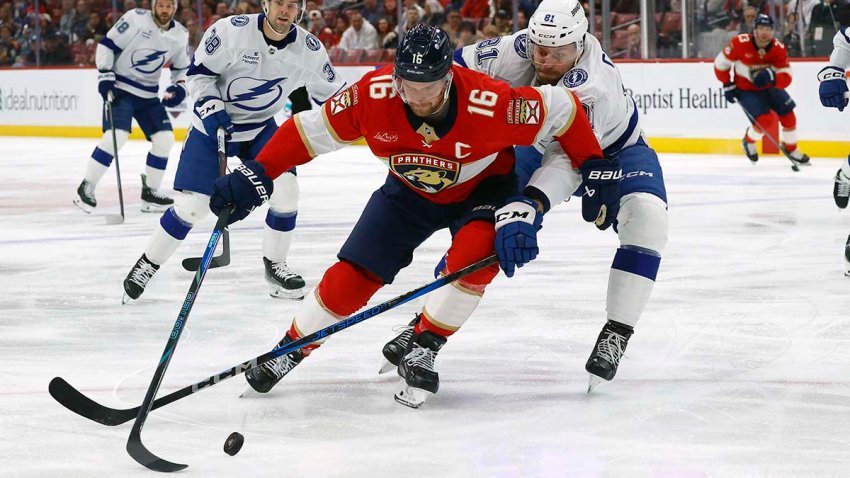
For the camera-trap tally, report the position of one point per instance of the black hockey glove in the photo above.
(730, 91)
(246, 188)
(600, 200)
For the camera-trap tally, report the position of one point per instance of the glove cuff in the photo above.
(831, 73)
(209, 105)
(518, 209)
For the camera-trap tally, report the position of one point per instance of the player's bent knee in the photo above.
(191, 207)
(161, 143)
(473, 242)
(285, 195)
(642, 221)
(121, 137)
(346, 287)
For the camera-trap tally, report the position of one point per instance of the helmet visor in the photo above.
(413, 92)
(553, 55)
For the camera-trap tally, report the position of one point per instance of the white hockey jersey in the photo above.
(254, 76)
(841, 52)
(136, 49)
(595, 80)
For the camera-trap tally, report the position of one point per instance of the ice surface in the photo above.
(738, 368)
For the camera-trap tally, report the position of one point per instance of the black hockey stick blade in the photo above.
(70, 398)
(147, 459)
(191, 264)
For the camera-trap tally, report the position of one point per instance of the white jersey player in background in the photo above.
(834, 94)
(241, 75)
(129, 60)
(557, 50)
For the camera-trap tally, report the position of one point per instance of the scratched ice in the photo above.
(738, 368)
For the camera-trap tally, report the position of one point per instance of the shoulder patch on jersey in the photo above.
(141, 11)
(343, 100)
(313, 43)
(523, 111)
(425, 172)
(212, 43)
(239, 20)
(521, 45)
(575, 77)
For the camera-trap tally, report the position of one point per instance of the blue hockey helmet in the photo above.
(763, 20)
(424, 55)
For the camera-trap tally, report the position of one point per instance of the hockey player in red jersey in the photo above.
(754, 70)
(446, 134)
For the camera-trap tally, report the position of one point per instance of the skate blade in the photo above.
(593, 382)
(126, 299)
(114, 219)
(83, 206)
(411, 397)
(281, 293)
(151, 207)
(386, 366)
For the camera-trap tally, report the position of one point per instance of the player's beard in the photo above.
(163, 19)
(279, 26)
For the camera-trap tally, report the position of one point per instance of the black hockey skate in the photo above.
(138, 278)
(264, 377)
(85, 197)
(393, 350)
(750, 150)
(152, 199)
(796, 156)
(841, 189)
(283, 283)
(417, 369)
(847, 258)
(607, 352)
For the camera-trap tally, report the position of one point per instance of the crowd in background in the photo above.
(66, 32)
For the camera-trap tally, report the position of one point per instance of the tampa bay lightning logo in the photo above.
(313, 43)
(239, 20)
(575, 78)
(254, 94)
(521, 45)
(148, 60)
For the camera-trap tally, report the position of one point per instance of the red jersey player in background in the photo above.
(446, 134)
(761, 72)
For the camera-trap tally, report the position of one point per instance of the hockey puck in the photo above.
(233, 443)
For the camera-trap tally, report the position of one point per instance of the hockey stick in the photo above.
(135, 447)
(113, 218)
(795, 165)
(75, 401)
(192, 263)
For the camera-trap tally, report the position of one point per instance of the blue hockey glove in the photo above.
(730, 91)
(600, 200)
(833, 88)
(106, 83)
(516, 233)
(211, 111)
(246, 188)
(766, 77)
(174, 95)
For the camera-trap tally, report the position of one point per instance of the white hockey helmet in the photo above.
(558, 23)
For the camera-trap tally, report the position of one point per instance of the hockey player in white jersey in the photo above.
(129, 61)
(834, 94)
(557, 50)
(240, 77)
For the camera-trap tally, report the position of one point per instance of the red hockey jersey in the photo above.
(746, 59)
(443, 163)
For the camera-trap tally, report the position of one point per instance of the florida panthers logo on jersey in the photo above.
(148, 60)
(427, 173)
(253, 94)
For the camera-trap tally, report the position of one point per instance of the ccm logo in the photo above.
(511, 215)
(255, 181)
(832, 75)
(605, 175)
